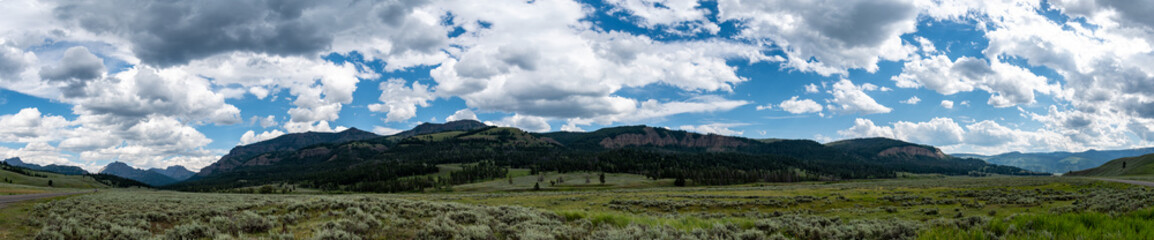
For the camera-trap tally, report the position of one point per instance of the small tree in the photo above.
(1123, 164)
(602, 178)
(50, 183)
(510, 179)
(536, 186)
(680, 181)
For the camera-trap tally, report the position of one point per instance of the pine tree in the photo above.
(680, 182)
(49, 183)
(536, 186)
(602, 178)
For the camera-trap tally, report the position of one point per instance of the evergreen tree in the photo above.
(680, 182)
(602, 178)
(536, 186)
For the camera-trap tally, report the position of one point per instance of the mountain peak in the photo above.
(14, 161)
(428, 128)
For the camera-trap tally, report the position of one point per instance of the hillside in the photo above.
(1059, 162)
(288, 142)
(151, 178)
(400, 163)
(61, 169)
(18, 176)
(1130, 166)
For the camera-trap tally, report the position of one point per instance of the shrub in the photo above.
(189, 231)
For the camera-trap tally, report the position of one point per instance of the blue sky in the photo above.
(90, 83)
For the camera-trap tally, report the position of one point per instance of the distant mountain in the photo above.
(916, 158)
(1059, 162)
(1130, 166)
(151, 178)
(239, 155)
(61, 169)
(389, 164)
(428, 128)
(177, 172)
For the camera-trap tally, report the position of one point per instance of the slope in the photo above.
(18, 176)
(1060, 162)
(916, 158)
(1130, 166)
(288, 142)
(400, 163)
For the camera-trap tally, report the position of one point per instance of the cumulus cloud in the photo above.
(715, 128)
(399, 101)
(983, 136)
(840, 35)
(29, 125)
(463, 114)
(852, 99)
(527, 123)
(913, 100)
(74, 70)
(795, 106)
(811, 88)
(947, 104)
(385, 131)
(250, 137)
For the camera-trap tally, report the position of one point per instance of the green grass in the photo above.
(1134, 166)
(58, 180)
(630, 206)
(522, 181)
(1083, 225)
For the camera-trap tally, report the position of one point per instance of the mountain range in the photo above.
(61, 169)
(153, 176)
(1058, 162)
(1128, 166)
(354, 160)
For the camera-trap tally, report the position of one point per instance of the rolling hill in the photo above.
(1130, 166)
(1059, 162)
(61, 169)
(401, 162)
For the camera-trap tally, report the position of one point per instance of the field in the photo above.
(927, 208)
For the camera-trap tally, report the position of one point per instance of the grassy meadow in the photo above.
(624, 207)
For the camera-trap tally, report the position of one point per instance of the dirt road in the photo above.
(1139, 183)
(5, 200)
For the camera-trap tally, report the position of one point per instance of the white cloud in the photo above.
(715, 128)
(795, 106)
(947, 104)
(463, 114)
(764, 107)
(840, 35)
(852, 99)
(250, 137)
(268, 121)
(811, 88)
(913, 100)
(29, 125)
(399, 101)
(527, 123)
(863, 128)
(670, 13)
(385, 131)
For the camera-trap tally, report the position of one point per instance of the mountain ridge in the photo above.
(61, 169)
(290, 141)
(1060, 161)
(384, 164)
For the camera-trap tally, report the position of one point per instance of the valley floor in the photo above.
(924, 208)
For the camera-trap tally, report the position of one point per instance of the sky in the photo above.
(161, 83)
